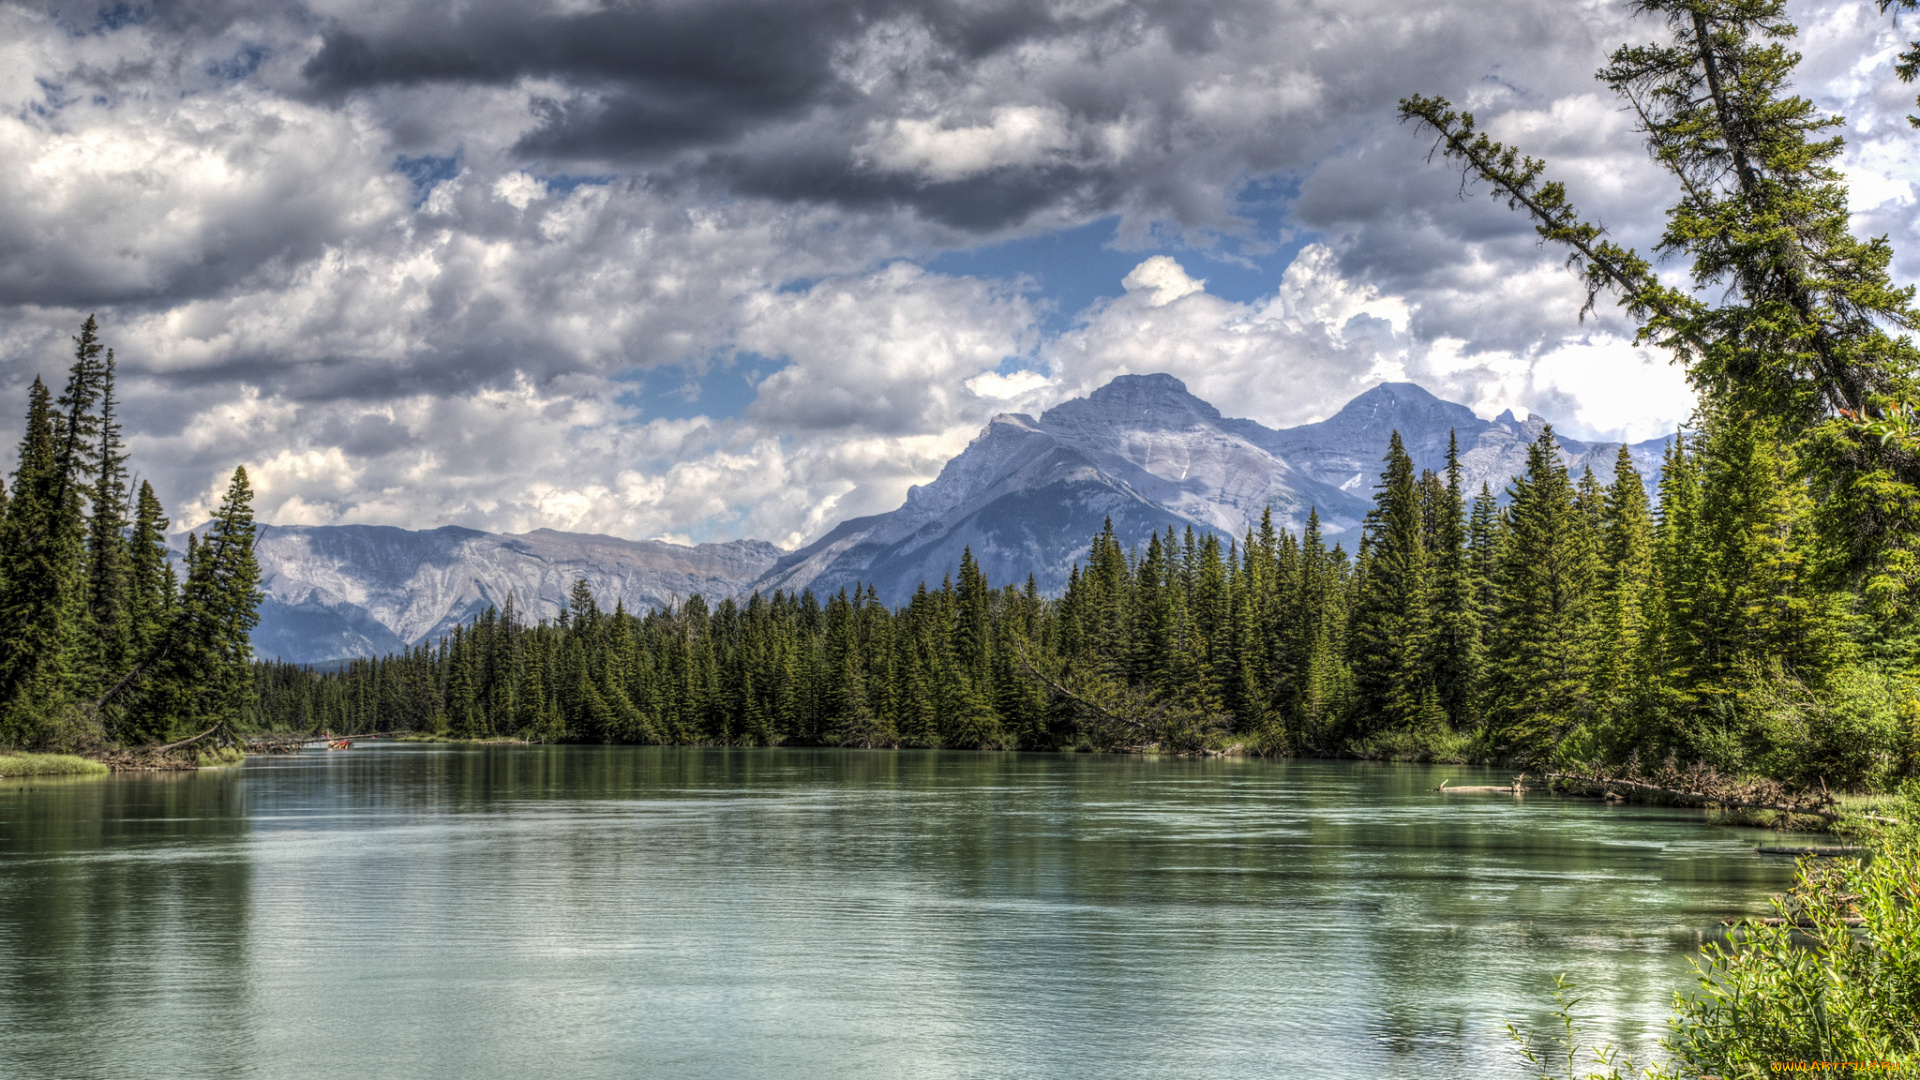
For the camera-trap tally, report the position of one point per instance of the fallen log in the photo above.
(177, 745)
(1516, 788)
(1817, 852)
(1698, 798)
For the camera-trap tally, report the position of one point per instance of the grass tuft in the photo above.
(48, 765)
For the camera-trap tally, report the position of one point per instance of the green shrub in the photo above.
(1856, 733)
(1818, 990)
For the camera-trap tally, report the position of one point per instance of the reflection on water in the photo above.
(580, 912)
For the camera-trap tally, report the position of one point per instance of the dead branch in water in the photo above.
(1704, 787)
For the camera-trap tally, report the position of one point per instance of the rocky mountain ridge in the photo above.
(336, 591)
(1026, 496)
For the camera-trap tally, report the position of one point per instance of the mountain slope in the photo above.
(336, 591)
(1028, 494)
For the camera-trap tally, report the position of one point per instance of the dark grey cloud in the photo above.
(701, 87)
(407, 257)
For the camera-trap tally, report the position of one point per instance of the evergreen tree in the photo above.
(151, 582)
(1456, 601)
(1622, 679)
(1392, 638)
(40, 546)
(1541, 675)
(109, 624)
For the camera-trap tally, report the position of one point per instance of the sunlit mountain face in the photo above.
(1025, 497)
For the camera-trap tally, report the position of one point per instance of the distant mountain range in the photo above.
(1026, 496)
(335, 591)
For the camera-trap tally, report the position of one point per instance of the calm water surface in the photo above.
(585, 912)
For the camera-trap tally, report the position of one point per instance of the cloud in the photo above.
(1161, 281)
(409, 261)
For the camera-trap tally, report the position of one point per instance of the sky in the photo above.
(708, 269)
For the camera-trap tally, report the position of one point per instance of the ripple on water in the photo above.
(584, 912)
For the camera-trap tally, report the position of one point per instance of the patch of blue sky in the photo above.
(564, 183)
(238, 66)
(119, 16)
(426, 171)
(1073, 268)
(722, 391)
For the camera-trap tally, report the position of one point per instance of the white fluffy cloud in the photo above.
(406, 261)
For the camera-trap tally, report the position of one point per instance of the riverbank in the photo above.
(430, 737)
(12, 765)
(169, 759)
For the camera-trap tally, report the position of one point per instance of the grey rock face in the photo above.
(363, 590)
(1029, 494)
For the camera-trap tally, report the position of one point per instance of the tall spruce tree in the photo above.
(109, 616)
(151, 583)
(1541, 671)
(40, 547)
(1392, 634)
(1456, 604)
(1621, 678)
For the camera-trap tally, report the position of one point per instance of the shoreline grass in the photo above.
(12, 765)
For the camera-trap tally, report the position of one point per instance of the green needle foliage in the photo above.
(1802, 338)
(97, 641)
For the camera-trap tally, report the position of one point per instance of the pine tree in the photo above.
(1457, 653)
(40, 546)
(1622, 681)
(1541, 678)
(1392, 636)
(109, 622)
(151, 582)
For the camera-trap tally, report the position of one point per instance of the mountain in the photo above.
(335, 591)
(1346, 449)
(1028, 494)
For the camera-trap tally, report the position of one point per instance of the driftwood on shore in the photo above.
(1518, 787)
(1705, 789)
(1698, 786)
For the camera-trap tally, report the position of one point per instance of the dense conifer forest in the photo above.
(1758, 617)
(1567, 622)
(101, 642)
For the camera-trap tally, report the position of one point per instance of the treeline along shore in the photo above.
(1570, 623)
(103, 646)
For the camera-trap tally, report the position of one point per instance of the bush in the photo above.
(1856, 734)
(1814, 989)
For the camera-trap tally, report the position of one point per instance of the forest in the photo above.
(1569, 622)
(1757, 617)
(102, 644)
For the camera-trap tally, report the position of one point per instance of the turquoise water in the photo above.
(585, 912)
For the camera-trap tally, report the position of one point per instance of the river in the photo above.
(533, 912)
